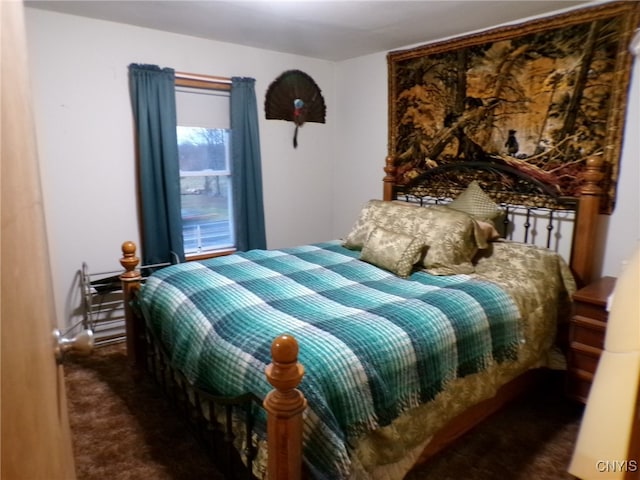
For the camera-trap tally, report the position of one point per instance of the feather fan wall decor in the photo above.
(295, 97)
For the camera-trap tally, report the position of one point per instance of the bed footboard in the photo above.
(284, 405)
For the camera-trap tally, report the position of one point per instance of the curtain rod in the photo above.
(202, 78)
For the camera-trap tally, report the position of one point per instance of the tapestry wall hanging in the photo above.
(295, 97)
(541, 97)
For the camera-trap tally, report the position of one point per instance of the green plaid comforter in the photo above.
(373, 345)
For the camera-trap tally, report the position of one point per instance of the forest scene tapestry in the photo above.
(540, 97)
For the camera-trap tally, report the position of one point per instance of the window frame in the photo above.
(204, 82)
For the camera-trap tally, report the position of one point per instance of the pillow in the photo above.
(485, 229)
(395, 252)
(374, 213)
(452, 237)
(476, 203)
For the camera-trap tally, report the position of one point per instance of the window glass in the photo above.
(205, 176)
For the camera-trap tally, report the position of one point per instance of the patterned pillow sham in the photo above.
(374, 213)
(395, 252)
(451, 237)
(476, 203)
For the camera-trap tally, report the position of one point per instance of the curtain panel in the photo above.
(153, 99)
(246, 166)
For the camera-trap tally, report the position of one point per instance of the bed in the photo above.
(380, 348)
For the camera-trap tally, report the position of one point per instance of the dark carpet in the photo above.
(126, 430)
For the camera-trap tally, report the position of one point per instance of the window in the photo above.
(205, 178)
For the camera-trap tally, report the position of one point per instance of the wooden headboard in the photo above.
(513, 189)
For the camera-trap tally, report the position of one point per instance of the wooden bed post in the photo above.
(284, 407)
(130, 279)
(584, 236)
(390, 178)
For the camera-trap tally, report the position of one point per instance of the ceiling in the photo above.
(325, 29)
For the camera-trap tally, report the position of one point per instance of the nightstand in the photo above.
(586, 335)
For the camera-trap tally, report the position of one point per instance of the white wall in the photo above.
(623, 226)
(361, 133)
(86, 144)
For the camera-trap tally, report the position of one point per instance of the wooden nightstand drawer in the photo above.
(587, 331)
(588, 310)
(584, 357)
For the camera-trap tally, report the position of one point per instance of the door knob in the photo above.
(82, 344)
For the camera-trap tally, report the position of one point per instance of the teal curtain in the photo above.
(154, 108)
(246, 166)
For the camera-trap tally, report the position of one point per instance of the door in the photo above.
(36, 440)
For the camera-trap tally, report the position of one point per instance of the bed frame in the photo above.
(213, 417)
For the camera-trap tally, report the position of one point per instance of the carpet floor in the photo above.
(123, 430)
